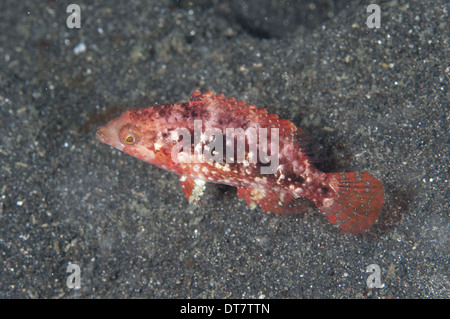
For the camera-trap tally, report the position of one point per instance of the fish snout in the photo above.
(100, 134)
(105, 135)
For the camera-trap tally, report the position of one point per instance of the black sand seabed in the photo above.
(375, 99)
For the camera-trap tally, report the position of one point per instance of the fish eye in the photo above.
(130, 139)
(129, 134)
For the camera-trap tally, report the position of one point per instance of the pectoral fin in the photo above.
(192, 188)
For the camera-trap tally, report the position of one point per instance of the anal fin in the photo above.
(192, 188)
(280, 203)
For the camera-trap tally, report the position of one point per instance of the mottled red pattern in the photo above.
(351, 200)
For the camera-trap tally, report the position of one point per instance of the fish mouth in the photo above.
(101, 135)
(106, 134)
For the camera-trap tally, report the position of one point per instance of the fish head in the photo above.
(125, 134)
(144, 134)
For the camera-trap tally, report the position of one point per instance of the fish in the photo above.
(214, 139)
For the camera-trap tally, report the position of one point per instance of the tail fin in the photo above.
(359, 201)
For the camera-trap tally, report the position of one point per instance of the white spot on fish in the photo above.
(197, 192)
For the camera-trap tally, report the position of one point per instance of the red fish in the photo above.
(215, 139)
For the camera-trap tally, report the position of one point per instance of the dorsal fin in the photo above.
(306, 145)
(242, 112)
(230, 113)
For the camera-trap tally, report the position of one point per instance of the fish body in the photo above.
(220, 140)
